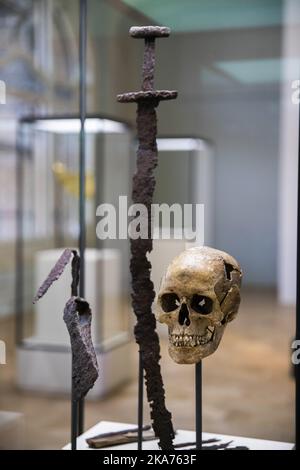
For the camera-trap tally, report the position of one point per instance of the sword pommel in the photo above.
(148, 32)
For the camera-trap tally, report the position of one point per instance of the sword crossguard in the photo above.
(149, 33)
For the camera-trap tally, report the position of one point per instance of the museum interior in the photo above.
(228, 142)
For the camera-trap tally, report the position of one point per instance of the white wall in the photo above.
(287, 227)
(242, 119)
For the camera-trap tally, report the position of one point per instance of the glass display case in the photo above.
(187, 164)
(48, 209)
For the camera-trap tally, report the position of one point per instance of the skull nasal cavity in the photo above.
(183, 317)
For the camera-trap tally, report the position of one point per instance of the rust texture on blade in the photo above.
(142, 192)
(77, 316)
(54, 274)
(142, 287)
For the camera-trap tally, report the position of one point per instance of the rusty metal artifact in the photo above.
(78, 317)
(125, 436)
(54, 274)
(142, 193)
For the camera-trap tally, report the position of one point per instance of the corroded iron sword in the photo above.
(142, 193)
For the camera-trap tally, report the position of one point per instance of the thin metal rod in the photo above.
(82, 112)
(82, 158)
(198, 404)
(75, 412)
(297, 366)
(74, 403)
(140, 402)
(80, 427)
(74, 421)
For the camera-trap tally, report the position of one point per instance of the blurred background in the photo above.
(234, 64)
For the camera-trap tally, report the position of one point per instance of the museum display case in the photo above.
(114, 107)
(181, 160)
(48, 207)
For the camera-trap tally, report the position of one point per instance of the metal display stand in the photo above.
(198, 404)
(77, 411)
(140, 402)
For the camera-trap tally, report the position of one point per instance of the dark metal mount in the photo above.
(82, 166)
(198, 404)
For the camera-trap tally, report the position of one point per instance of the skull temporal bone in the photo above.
(199, 295)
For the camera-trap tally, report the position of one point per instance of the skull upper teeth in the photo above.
(185, 340)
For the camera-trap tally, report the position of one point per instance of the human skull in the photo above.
(199, 295)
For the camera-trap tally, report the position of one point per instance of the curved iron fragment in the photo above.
(78, 316)
(54, 274)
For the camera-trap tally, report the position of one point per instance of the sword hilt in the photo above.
(149, 33)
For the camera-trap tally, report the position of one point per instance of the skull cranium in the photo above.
(199, 295)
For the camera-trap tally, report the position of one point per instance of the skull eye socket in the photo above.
(201, 304)
(169, 302)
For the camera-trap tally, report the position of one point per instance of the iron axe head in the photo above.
(78, 317)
